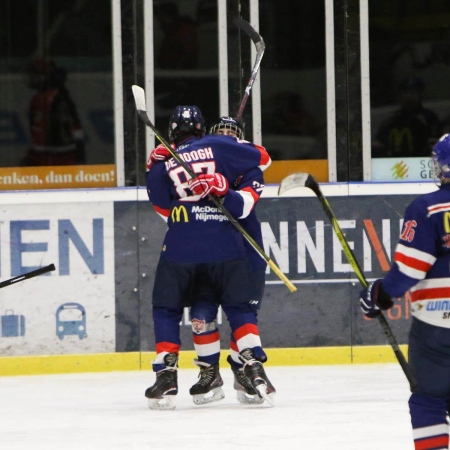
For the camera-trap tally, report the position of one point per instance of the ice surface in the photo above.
(348, 407)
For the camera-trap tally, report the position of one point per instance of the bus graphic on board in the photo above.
(71, 320)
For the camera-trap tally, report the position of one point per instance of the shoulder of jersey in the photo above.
(219, 138)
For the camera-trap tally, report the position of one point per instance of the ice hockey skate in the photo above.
(208, 388)
(254, 371)
(162, 394)
(245, 393)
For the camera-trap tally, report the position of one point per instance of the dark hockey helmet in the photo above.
(441, 157)
(42, 73)
(225, 125)
(186, 121)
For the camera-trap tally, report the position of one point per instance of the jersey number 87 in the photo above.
(180, 178)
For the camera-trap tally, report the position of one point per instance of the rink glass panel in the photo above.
(407, 40)
(69, 44)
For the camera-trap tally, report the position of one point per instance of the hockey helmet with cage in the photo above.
(227, 124)
(186, 121)
(441, 157)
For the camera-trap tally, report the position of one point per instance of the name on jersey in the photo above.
(194, 155)
(205, 213)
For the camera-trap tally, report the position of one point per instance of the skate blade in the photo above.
(248, 399)
(269, 398)
(166, 403)
(217, 394)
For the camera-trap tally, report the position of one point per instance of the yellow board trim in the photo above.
(107, 362)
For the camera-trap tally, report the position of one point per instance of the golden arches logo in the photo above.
(397, 137)
(447, 222)
(175, 215)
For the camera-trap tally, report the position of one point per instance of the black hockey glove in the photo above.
(373, 298)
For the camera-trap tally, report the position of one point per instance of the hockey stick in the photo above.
(260, 47)
(139, 98)
(26, 276)
(307, 180)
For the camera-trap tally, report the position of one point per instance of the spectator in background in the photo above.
(57, 137)
(289, 116)
(412, 130)
(179, 47)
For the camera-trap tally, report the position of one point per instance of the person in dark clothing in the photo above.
(57, 136)
(412, 130)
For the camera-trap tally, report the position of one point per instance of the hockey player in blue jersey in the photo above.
(205, 305)
(200, 243)
(422, 265)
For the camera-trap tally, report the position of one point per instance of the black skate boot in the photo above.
(245, 393)
(209, 381)
(162, 394)
(255, 372)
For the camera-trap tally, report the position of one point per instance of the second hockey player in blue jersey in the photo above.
(422, 265)
(205, 304)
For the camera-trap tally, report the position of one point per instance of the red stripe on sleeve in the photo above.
(414, 263)
(255, 195)
(164, 212)
(265, 158)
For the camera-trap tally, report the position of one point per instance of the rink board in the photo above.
(94, 311)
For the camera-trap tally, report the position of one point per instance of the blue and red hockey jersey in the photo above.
(198, 230)
(422, 258)
(254, 181)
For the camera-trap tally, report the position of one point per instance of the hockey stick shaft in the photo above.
(312, 184)
(26, 276)
(260, 48)
(139, 96)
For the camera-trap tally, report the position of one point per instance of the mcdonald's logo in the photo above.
(396, 139)
(175, 215)
(447, 222)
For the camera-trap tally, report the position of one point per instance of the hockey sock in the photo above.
(244, 326)
(207, 346)
(167, 334)
(205, 334)
(429, 422)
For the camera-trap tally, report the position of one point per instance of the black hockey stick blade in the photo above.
(307, 180)
(26, 276)
(251, 32)
(260, 47)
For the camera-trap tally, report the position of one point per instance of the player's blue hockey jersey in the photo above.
(253, 182)
(422, 258)
(198, 230)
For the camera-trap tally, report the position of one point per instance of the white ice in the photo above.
(339, 407)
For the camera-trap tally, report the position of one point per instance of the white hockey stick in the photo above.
(260, 47)
(139, 98)
(306, 180)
